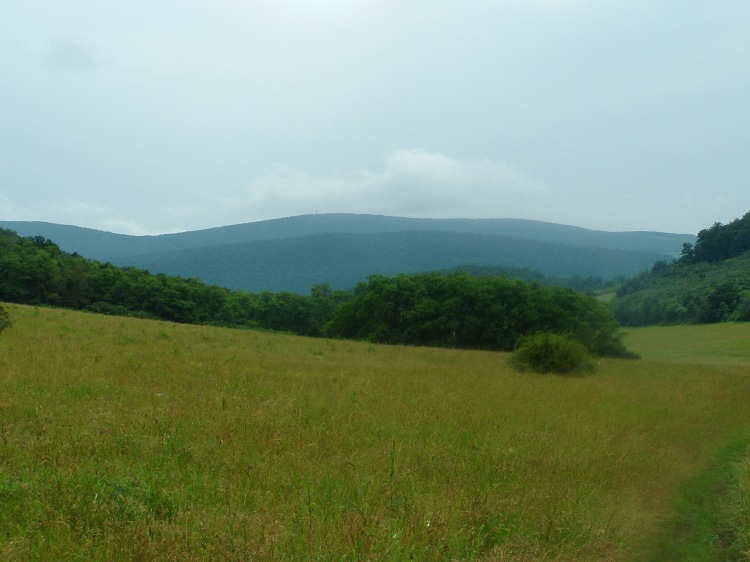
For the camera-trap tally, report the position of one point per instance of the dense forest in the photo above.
(710, 282)
(456, 310)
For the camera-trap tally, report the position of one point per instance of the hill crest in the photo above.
(295, 253)
(97, 244)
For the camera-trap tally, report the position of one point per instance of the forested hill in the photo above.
(709, 283)
(100, 245)
(295, 253)
(343, 260)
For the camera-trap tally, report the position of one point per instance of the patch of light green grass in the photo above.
(728, 342)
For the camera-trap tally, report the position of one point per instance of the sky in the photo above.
(155, 116)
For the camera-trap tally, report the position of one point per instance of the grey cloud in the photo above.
(72, 211)
(412, 182)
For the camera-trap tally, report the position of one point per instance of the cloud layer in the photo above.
(411, 182)
(156, 116)
(414, 183)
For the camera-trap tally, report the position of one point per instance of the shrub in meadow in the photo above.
(551, 353)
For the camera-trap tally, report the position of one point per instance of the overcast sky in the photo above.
(152, 116)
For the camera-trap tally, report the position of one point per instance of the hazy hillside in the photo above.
(104, 245)
(342, 260)
(709, 283)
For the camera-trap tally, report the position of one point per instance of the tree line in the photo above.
(719, 242)
(36, 271)
(435, 309)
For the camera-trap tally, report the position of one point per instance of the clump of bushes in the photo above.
(551, 353)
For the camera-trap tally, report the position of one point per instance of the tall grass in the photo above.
(132, 439)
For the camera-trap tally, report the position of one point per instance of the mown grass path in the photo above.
(700, 529)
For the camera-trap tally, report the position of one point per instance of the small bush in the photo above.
(551, 353)
(4, 318)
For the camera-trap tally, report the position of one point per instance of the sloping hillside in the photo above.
(709, 283)
(342, 260)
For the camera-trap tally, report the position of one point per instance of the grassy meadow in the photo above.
(126, 439)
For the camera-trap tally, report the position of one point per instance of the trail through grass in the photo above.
(711, 515)
(702, 529)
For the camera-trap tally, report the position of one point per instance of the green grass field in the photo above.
(125, 439)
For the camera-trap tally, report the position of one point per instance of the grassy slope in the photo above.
(125, 439)
(724, 343)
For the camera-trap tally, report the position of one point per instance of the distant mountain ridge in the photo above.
(295, 253)
(98, 244)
